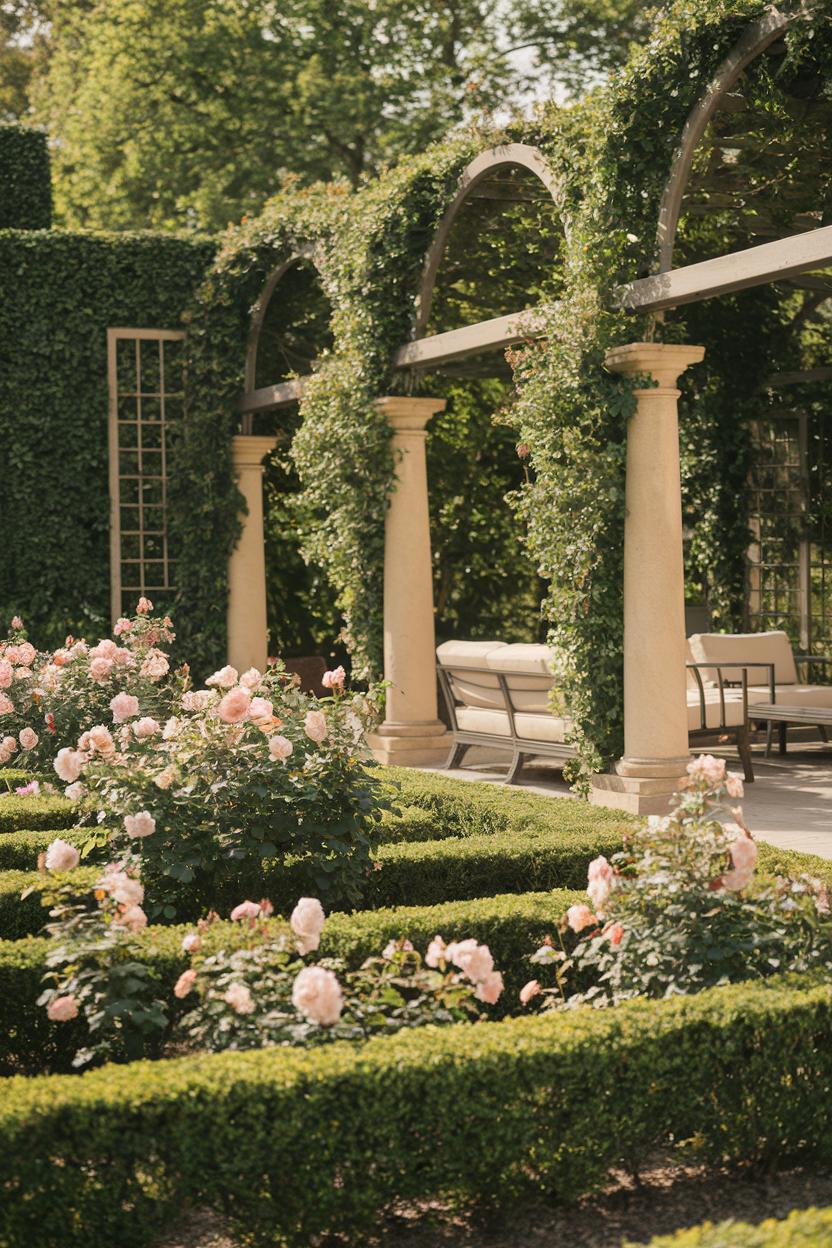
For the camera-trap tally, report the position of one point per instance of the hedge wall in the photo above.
(26, 197)
(803, 1228)
(488, 1114)
(61, 291)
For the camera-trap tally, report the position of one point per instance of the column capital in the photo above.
(248, 450)
(406, 415)
(663, 361)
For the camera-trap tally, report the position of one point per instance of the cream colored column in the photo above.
(655, 705)
(412, 734)
(247, 629)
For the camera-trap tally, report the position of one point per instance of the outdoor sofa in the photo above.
(501, 696)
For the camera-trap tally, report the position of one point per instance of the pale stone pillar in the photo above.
(656, 749)
(247, 629)
(412, 734)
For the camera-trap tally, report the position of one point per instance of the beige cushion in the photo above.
(792, 695)
(713, 710)
(773, 647)
(529, 727)
(528, 673)
(474, 690)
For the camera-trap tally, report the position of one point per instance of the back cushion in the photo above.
(476, 689)
(528, 673)
(773, 647)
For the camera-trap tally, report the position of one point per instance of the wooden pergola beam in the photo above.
(272, 396)
(491, 335)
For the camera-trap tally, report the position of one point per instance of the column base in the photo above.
(422, 744)
(640, 786)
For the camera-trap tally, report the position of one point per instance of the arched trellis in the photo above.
(258, 314)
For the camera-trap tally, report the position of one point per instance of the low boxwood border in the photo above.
(802, 1228)
(17, 813)
(511, 926)
(298, 1144)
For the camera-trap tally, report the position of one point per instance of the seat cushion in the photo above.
(793, 695)
(773, 647)
(529, 727)
(478, 719)
(477, 689)
(713, 710)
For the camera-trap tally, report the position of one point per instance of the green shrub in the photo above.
(19, 850)
(803, 1228)
(511, 926)
(17, 813)
(26, 202)
(296, 1145)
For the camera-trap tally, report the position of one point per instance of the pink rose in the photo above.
(615, 933)
(122, 626)
(100, 740)
(124, 706)
(184, 984)
(240, 999)
(490, 988)
(123, 888)
(166, 777)
(62, 1009)
(734, 785)
(123, 658)
(437, 952)
(317, 995)
(6, 673)
(192, 942)
(146, 727)
(397, 946)
(133, 918)
(334, 679)
(529, 990)
(197, 699)
(68, 764)
(580, 916)
(8, 747)
(28, 738)
(142, 824)
(707, 768)
(250, 679)
(600, 877)
(16, 623)
(307, 922)
(234, 707)
(100, 669)
(279, 748)
(61, 856)
(106, 649)
(74, 791)
(155, 665)
(144, 606)
(743, 851)
(26, 653)
(225, 678)
(6, 705)
(245, 910)
(261, 711)
(475, 961)
(315, 726)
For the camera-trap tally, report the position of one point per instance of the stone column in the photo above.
(412, 734)
(247, 631)
(656, 749)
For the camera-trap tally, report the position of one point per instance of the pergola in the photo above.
(656, 730)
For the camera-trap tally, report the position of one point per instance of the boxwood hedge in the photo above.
(294, 1145)
(17, 813)
(803, 1228)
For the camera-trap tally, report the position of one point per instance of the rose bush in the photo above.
(245, 769)
(48, 697)
(681, 909)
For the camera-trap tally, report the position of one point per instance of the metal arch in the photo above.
(509, 154)
(754, 41)
(307, 252)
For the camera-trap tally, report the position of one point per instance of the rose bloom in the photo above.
(62, 1009)
(6, 673)
(133, 918)
(106, 649)
(600, 876)
(315, 726)
(490, 988)
(8, 747)
(436, 952)
(68, 764)
(124, 706)
(251, 679)
(245, 910)
(28, 738)
(123, 888)
(184, 984)
(707, 768)
(396, 946)
(26, 653)
(144, 606)
(307, 922)
(155, 665)
(6, 705)
(615, 933)
(142, 824)
(100, 669)
(234, 707)
(122, 626)
(316, 994)
(165, 778)
(475, 961)
(743, 850)
(61, 856)
(146, 727)
(191, 942)
(529, 990)
(16, 623)
(334, 679)
(225, 678)
(734, 785)
(279, 748)
(580, 916)
(100, 740)
(196, 699)
(261, 711)
(240, 999)
(123, 658)
(74, 791)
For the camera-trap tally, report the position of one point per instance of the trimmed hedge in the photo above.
(299, 1144)
(35, 813)
(803, 1228)
(511, 926)
(26, 178)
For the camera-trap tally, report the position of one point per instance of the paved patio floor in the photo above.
(789, 804)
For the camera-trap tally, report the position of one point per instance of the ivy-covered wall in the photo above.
(61, 291)
(25, 179)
